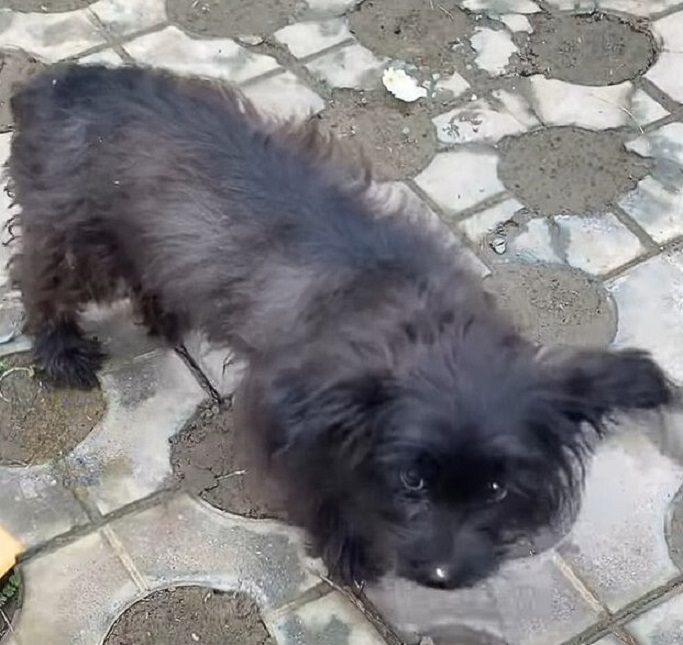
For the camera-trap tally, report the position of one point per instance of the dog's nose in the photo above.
(439, 576)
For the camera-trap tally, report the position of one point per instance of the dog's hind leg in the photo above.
(51, 293)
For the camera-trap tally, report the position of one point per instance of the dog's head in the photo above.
(458, 448)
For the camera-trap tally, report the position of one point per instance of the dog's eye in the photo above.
(495, 492)
(412, 480)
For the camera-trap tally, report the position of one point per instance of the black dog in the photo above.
(413, 428)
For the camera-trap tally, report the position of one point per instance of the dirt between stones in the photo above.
(11, 592)
(184, 615)
(569, 170)
(554, 304)
(210, 461)
(422, 33)
(37, 422)
(16, 67)
(398, 139)
(595, 49)
(232, 18)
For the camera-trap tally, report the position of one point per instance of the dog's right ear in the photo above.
(311, 412)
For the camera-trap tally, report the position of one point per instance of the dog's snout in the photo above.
(439, 576)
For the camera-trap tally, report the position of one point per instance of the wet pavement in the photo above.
(547, 144)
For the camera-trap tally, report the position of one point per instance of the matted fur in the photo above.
(410, 425)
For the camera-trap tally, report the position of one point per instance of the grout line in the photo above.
(198, 373)
(82, 530)
(126, 559)
(568, 572)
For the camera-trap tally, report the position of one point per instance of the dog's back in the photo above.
(178, 189)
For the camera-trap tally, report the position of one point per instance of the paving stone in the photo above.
(353, 67)
(493, 48)
(307, 38)
(72, 595)
(105, 57)
(121, 17)
(418, 611)
(185, 541)
(529, 602)
(331, 7)
(578, 6)
(51, 36)
(285, 96)
(460, 179)
(537, 603)
(617, 545)
(669, 30)
(453, 84)
(637, 7)
(662, 625)
(665, 74)
(35, 506)
(478, 226)
(220, 58)
(496, 7)
(481, 122)
(659, 283)
(330, 620)
(593, 108)
(657, 207)
(516, 22)
(663, 144)
(150, 396)
(644, 109)
(597, 243)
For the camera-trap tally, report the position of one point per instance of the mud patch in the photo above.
(554, 304)
(233, 18)
(569, 170)
(210, 461)
(37, 422)
(16, 67)
(675, 537)
(421, 33)
(44, 6)
(183, 615)
(595, 49)
(11, 588)
(397, 138)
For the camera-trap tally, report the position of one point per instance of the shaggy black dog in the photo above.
(411, 426)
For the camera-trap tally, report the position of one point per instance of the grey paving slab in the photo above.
(617, 546)
(72, 596)
(330, 620)
(150, 395)
(662, 625)
(185, 541)
(35, 506)
(530, 602)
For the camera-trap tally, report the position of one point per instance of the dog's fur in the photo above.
(411, 426)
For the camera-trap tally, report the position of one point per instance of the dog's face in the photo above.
(439, 467)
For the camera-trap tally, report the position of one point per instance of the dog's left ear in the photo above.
(311, 412)
(593, 384)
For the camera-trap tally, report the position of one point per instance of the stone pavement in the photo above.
(548, 134)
